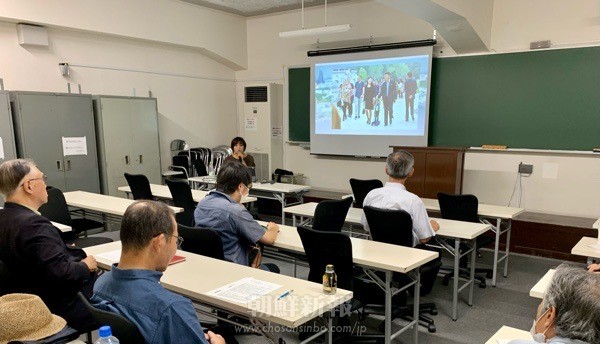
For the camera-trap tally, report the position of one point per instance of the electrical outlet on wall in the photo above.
(525, 168)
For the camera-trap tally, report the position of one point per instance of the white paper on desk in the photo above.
(245, 290)
(74, 145)
(1, 149)
(112, 256)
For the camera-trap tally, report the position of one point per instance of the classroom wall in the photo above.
(194, 99)
(490, 177)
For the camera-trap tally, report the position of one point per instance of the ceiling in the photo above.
(249, 8)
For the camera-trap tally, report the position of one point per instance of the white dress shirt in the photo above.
(393, 196)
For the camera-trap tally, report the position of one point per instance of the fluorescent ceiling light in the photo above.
(315, 31)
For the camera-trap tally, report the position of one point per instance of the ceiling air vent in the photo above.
(256, 94)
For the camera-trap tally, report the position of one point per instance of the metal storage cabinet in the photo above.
(41, 122)
(6, 132)
(127, 131)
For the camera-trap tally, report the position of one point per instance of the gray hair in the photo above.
(399, 164)
(575, 293)
(143, 221)
(11, 174)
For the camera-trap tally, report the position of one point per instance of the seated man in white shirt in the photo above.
(393, 195)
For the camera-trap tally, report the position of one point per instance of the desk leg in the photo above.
(496, 249)
(417, 295)
(329, 330)
(473, 258)
(456, 278)
(293, 220)
(509, 225)
(388, 307)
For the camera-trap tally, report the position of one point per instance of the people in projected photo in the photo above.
(388, 93)
(359, 86)
(369, 96)
(410, 89)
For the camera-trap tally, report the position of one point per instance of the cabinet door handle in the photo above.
(59, 165)
(141, 159)
(68, 165)
(126, 159)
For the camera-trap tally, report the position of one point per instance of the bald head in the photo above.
(143, 221)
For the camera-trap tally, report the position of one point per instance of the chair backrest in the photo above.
(200, 168)
(330, 215)
(56, 209)
(360, 189)
(203, 241)
(4, 278)
(139, 185)
(458, 207)
(281, 172)
(184, 172)
(121, 327)
(322, 248)
(390, 226)
(182, 197)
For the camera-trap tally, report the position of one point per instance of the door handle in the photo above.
(68, 165)
(126, 159)
(59, 165)
(141, 159)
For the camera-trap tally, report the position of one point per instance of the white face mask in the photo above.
(246, 195)
(538, 337)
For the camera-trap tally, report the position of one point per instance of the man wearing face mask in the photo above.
(222, 211)
(570, 311)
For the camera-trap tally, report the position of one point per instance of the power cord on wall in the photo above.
(518, 180)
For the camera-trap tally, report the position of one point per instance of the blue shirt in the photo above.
(235, 225)
(359, 88)
(161, 316)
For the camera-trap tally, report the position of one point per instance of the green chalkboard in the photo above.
(299, 104)
(541, 100)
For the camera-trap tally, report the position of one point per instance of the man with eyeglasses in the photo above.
(149, 240)
(35, 258)
(222, 211)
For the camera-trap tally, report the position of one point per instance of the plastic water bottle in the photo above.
(106, 336)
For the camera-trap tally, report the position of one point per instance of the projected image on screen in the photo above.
(372, 97)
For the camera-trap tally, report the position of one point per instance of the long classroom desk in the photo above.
(582, 248)
(375, 256)
(456, 230)
(198, 275)
(507, 333)
(500, 213)
(163, 192)
(276, 191)
(539, 289)
(107, 206)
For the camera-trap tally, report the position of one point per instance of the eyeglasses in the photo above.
(179, 239)
(43, 177)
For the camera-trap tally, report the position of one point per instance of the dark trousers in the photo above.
(388, 111)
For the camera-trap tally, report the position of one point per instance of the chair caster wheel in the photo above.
(433, 312)
(431, 328)
(482, 285)
(281, 341)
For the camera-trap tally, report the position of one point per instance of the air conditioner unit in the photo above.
(262, 126)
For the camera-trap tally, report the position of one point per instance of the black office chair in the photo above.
(203, 241)
(395, 227)
(330, 215)
(281, 172)
(139, 185)
(360, 189)
(57, 210)
(4, 278)
(464, 208)
(200, 168)
(121, 327)
(181, 160)
(323, 248)
(182, 197)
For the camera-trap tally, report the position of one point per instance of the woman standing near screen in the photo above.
(369, 95)
(238, 146)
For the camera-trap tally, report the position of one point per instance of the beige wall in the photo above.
(574, 189)
(198, 110)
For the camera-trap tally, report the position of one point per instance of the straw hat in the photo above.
(26, 317)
